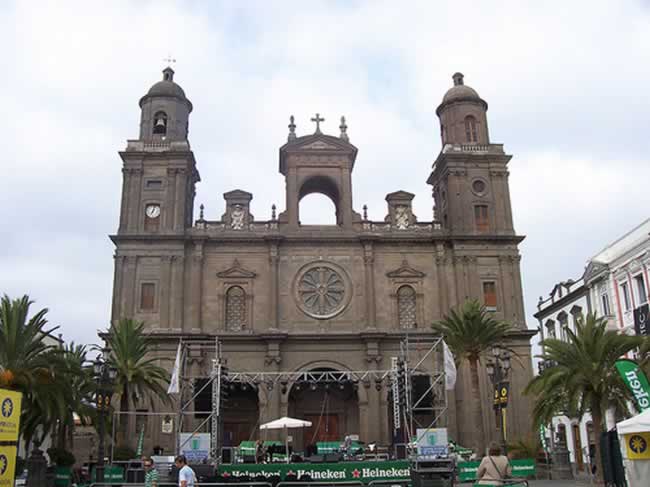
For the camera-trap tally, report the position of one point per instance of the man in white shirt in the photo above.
(186, 476)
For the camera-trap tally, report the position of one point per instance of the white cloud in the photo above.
(565, 83)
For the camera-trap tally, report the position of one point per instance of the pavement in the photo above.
(560, 483)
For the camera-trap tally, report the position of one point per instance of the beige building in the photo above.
(289, 297)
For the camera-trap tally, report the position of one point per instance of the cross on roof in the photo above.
(318, 120)
(169, 60)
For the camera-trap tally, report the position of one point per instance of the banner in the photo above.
(638, 446)
(432, 442)
(450, 368)
(520, 468)
(195, 446)
(140, 447)
(339, 472)
(174, 383)
(7, 465)
(642, 320)
(10, 402)
(636, 381)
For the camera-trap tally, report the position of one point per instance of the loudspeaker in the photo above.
(333, 457)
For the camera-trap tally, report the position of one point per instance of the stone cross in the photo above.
(318, 120)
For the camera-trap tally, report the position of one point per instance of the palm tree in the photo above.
(582, 371)
(28, 364)
(138, 375)
(78, 389)
(22, 344)
(469, 332)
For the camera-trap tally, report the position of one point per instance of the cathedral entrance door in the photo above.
(323, 428)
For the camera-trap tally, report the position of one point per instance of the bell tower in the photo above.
(159, 170)
(470, 175)
(318, 163)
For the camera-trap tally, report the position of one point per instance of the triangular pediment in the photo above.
(237, 194)
(236, 271)
(318, 142)
(315, 144)
(593, 269)
(400, 195)
(405, 270)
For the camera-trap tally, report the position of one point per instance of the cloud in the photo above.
(565, 84)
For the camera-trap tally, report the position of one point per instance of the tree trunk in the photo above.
(477, 407)
(597, 418)
(124, 418)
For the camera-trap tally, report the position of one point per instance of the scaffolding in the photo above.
(421, 355)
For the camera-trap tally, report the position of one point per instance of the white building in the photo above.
(615, 284)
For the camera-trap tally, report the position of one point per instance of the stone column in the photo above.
(116, 310)
(129, 289)
(274, 290)
(345, 204)
(169, 222)
(179, 209)
(177, 292)
(369, 268)
(164, 304)
(135, 206)
(196, 285)
(124, 208)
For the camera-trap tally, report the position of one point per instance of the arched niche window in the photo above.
(471, 129)
(406, 307)
(160, 123)
(235, 309)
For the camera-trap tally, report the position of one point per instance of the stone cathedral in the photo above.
(283, 296)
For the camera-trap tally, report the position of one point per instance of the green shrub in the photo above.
(61, 457)
(123, 453)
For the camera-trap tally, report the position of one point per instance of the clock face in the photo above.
(152, 211)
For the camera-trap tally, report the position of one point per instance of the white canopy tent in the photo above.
(636, 431)
(285, 423)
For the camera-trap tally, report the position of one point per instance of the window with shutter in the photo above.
(490, 295)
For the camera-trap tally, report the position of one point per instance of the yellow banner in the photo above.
(7, 465)
(9, 414)
(638, 446)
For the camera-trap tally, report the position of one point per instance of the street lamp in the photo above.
(105, 375)
(498, 367)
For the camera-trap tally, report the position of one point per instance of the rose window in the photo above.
(321, 292)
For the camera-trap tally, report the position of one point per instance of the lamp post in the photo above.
(498, 367)
(105, 375)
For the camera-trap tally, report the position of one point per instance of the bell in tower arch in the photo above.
(160, 124)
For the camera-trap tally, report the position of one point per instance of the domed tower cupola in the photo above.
(165, 111)
(462, 115)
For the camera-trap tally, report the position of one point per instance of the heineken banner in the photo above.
(520, 468)
(339, 472)
(636, 381)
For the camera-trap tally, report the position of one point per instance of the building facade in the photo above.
(283, 296)
(614, 285)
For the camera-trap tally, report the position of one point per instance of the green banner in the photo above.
(636, 381)
(520, 468)
(339, 472)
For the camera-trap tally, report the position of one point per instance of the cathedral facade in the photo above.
(283, 296)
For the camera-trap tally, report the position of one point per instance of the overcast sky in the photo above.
(567, 84)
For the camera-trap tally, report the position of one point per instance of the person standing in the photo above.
(494, 467)
(151, 474)
(186, 476)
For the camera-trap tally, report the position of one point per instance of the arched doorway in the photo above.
(332, 408)
(240, 414)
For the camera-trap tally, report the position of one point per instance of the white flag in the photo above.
(450, 369)
(174, 383)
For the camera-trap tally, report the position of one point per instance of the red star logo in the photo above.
(226, 474)
(356, 474)
(291, 472)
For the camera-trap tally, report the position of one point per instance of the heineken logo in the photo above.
(638, 390)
